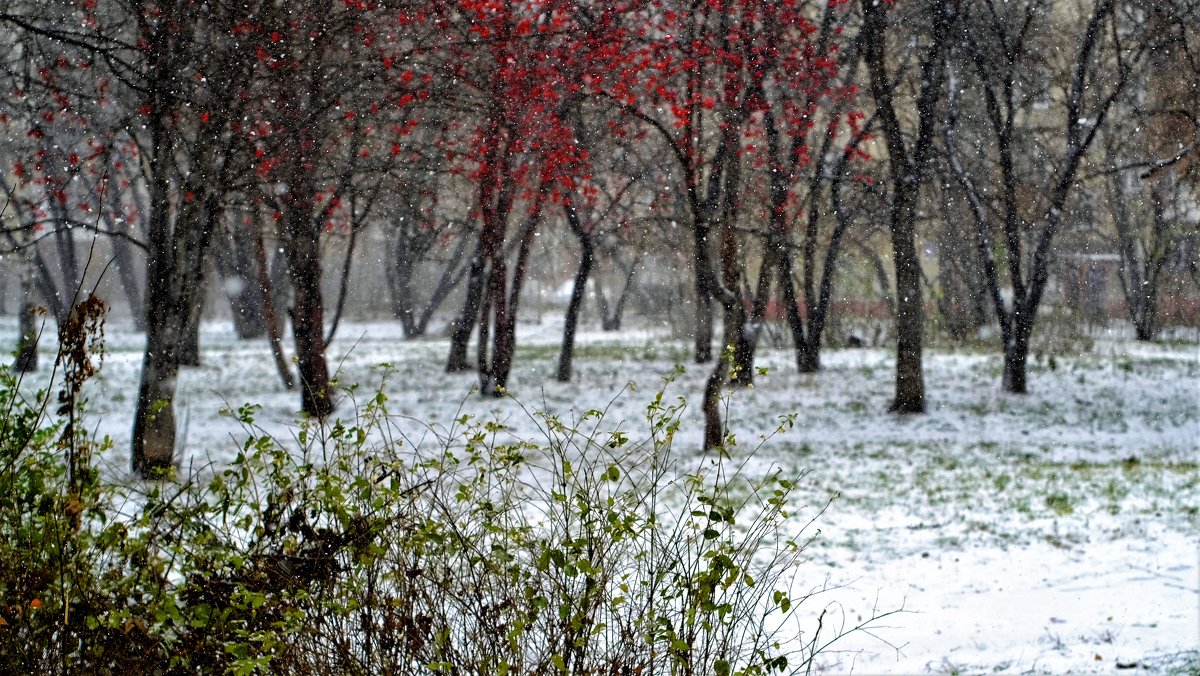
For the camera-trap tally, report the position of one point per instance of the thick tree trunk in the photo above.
(910, 323)
(730, 364)
(154, 416)
(308, 314)
(907, 168)
(173, 279)
(808, 350)
(505, 301)
(704, 273)
(1016, 356)
(280, 278)
(735, 361)
(714, 426)
(403, 300)
(704, 324)
(1146, 328)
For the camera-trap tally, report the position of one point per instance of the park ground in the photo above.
(1052, 532)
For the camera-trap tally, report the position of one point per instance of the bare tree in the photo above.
(1033, 180)
(907, 168)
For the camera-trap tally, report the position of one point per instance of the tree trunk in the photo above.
(127, 272)
(714, 426)
(1146, 328)
(907, 172)
(27, 346)
(1016, 356)
(578, 293)
(464, 325)
(611, 316)
(574, 307)
(174, 266)
(910, 321)
(704, 324)
(235, 264)
(344, 288)
(400, 284)
(189, 347)
(270, 315)
(308, 314)
(730, 365)
(494, 379)
(808, 359)
(280, 279)
(736, 358)
(154, 416)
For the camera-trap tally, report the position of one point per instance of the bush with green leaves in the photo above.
(382, 544)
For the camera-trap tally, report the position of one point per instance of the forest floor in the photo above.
(1052, 532)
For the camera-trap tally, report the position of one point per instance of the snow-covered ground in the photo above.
(1052, 532)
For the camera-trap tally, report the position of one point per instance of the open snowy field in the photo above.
(1053, 532)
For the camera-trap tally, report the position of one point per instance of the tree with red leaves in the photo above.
(709, 80)
(322, 143)
(520, 65)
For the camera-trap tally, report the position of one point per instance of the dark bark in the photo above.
(153, 448)
(703, 310)
(464, 325)
(735, 361)
(413, 319)
(1016, 357)
(578, 292)
(173, 276)
(907, 168)
(714, 427)
(27, 344)
(189, 348)
(487, 277)
(998, 75)
(301, 236)
(28, 325)
(280, 279)
(808, 352)
(506, 318)
(179, 231)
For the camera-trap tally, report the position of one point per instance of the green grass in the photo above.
(1009, 494)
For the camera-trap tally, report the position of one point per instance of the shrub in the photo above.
(379, 544)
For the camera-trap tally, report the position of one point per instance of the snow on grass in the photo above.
(1050, 532)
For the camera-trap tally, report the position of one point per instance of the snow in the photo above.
(1053, 532)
